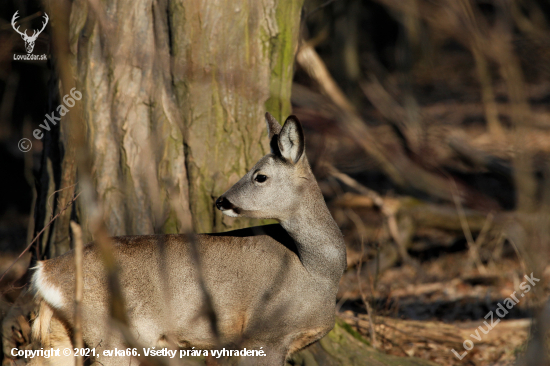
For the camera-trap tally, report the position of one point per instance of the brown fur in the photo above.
(271, 287)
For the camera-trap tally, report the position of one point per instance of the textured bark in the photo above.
(122, 63)
(232, 60)
(55, 184)
(174, 94)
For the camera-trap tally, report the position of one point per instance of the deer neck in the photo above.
(318, 239)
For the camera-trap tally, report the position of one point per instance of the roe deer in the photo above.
(271, 286)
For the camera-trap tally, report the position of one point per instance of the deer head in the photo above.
(29, 41)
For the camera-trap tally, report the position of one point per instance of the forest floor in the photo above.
(429, 309)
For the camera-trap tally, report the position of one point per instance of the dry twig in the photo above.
(78, 254)
(40, 233)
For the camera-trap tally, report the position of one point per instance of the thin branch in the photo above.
(38, 235)
(78, 254)
(472, 245)
(388, 208)
(377, 199)
(208, 307)
(54, 192)
(325, 4)
(28, 18)
(365, 301)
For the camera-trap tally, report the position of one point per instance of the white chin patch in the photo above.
(230, 213)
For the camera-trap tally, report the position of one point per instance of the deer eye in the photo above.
(260, 178)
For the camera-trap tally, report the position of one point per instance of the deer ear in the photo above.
(291, 140)
(273, 127)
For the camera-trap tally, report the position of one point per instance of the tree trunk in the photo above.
(232, 61)
(174, 94)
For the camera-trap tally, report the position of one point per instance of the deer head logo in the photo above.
(29, 41)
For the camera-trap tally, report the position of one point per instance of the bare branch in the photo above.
(78, 248)
(38, 235)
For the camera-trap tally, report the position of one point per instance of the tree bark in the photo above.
(174, 94)
(232, 61)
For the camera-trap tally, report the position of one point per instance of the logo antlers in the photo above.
(29, 41)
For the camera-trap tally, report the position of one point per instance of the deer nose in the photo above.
(223, 203)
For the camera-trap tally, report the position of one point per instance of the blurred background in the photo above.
(427, 126)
